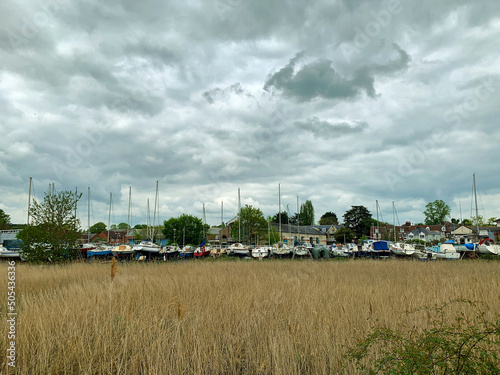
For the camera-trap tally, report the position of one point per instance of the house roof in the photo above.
(300, 230)
(214, 230)
(462, 230)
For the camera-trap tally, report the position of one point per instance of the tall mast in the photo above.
(88, 215)
(29, 202)
(475, 200)
(222, 212)
(394, 219)
(129, 200)
(109, 215)
(279, 208)
(239, 216)
(204, 221)
(298, 220)
(376, 206)
(289, 224)
(147, 222)
(154, 214)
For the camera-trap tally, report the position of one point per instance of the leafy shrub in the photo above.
(453, 343)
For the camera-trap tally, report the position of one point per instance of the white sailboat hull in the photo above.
(260, 252)
(122, 250)
(147, 247)
(488, 249)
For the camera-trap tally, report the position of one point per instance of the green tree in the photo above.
(306, 213)
(253, 224)
(329, 218)
(53, 230)
(436, 212)
(359, 220)
(122, 226)
(344, 235)
(272, 236)
(284, 218)
(294, 220)
(467, 222)
(491, 221)
(98, 227)
(140, 226)
(4, 220)
(186, 227)
(479, 221)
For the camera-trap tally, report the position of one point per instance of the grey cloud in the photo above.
(325, 129)
(218, 94)
(318, 80)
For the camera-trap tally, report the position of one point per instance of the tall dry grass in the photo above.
(198, 317)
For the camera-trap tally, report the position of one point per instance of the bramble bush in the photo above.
(455, 342)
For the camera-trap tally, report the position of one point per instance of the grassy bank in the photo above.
(224, 317)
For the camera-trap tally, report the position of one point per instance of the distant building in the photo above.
(408, 232)
(313, 234)
(118, 236)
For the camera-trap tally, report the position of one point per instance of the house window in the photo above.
(317, 240)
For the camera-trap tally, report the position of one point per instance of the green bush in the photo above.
(455, 342)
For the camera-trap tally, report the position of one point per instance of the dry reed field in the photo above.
(224, 317)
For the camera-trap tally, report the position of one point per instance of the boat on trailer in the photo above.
(402, 249)
(380, 249)
(260, 252)
(488, 246)
(238, 249)
(9, 253)
(122, 250)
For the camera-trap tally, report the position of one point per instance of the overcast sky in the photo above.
(341, 102)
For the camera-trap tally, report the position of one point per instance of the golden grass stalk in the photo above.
(243, 317)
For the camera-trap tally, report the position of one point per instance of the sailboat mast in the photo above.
(109, 214)
(129, 200)
(154, 214)
(88, 215)
(475, 201)
(279, 208)
(222, 212)
(394, 219)
(29, 202)
(204, 221)
(239, 216)
(147, 222)
(376, 207)
(289, 224)
(298, 220)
